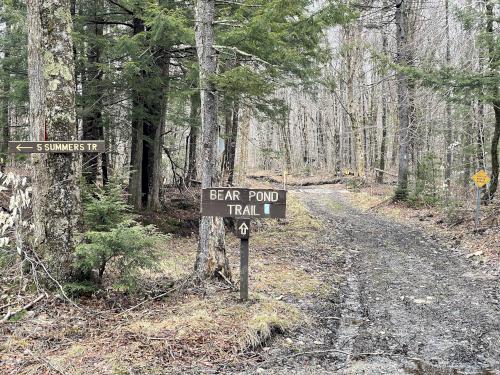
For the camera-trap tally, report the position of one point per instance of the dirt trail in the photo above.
(410, 304)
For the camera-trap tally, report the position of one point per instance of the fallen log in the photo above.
(385, 172)
(321, 182)
(266, 178)
(338, 180)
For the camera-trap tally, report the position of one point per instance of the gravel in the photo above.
(407, 301)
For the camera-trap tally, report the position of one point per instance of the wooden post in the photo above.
(478, 206)
(244, 270)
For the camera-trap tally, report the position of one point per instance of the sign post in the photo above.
(244, 269)
(243, 204)
(243, 233)
(481, 179)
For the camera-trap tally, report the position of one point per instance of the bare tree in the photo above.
(353, 61)
(383, 142)
(449, 123)
(403, 58)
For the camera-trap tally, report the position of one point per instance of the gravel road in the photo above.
(408, 302)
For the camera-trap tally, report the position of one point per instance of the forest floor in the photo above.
(347, 284)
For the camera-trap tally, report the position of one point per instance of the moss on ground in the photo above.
(220, 326)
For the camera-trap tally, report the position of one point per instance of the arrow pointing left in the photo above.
(21, 148)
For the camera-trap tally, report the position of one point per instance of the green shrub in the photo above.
(80, 288)
(129, 247)
(105, 208)
(113, 241)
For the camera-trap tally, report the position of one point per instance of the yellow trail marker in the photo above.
(481, 178)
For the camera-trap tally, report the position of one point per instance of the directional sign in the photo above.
(243, 203)
(481, 178)
(57, 147)
(243, 229)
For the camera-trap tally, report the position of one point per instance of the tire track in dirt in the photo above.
(416, 305)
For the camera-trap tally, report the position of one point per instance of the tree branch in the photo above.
(96, 22)
(227, 2)
(243, 53)
(25, 307)
(121, 6)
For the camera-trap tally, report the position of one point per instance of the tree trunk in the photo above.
(383, 142)
(337, 152)
(352, 61)
(304, 142)
(493, 61)
(449, 124)
(231, 142)
(242, 146)
(149, 102)
(4, 121)
(480, 135)
(373, 120)
(91, 94)
(395, 147)
(322, 143)
(193, 138)
(155, 140)
(56, 209)
(402, 58)
(211, 260)
(4, 104)
(285, 130)
(137, 145)
(228, 123)
(467, 146)
(494, 151)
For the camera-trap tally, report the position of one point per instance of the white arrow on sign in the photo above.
(243, 229)
(20, 148)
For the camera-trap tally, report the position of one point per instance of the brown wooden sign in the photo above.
(56, 147)
(243, 203)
